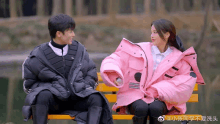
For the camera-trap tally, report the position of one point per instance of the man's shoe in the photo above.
(39, 113)
(94, 114)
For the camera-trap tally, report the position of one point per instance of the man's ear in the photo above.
(58, 34)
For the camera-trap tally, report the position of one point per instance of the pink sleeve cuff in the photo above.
(154, 92)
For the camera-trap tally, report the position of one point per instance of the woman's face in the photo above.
(156, 39)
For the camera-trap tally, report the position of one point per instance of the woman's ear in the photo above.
(167, 35)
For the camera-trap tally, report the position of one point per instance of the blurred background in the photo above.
(100, 26)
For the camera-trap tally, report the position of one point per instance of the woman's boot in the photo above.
(139, 120)
(154, 120)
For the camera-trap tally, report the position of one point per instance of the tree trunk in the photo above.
(133, 6)
(181, 5)
(4, 8)
(68, 7)
(10, 97)
(197, 5)
(160, 7)
(79, 6)
(116, 6)
(13, 10)
(40, 7)
(207, 23)
(174, 6)
(57, 7)
(187, 6)
(147, 6)
(215, 5)
(111, 9)
(99, 7)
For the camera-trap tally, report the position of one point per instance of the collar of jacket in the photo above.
(144, 48)
(37, 52)
(59, 51)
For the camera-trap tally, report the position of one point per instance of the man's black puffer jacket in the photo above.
(39, 74)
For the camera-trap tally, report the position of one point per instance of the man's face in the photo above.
(67, 36)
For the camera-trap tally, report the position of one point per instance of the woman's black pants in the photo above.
(141, 110)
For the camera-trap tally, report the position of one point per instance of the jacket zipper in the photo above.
(56, 72)
(146, 64)
(146, 60)
(64, 66)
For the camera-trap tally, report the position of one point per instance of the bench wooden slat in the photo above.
(129, 117)
(60, 117)
(99, 76)
(196, 88)
(113, 98)
(167, 117)
(103, 88)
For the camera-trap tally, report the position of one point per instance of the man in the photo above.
(59, 78)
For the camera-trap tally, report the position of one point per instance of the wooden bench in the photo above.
(111, 96)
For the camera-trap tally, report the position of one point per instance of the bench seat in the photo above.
(192, 117)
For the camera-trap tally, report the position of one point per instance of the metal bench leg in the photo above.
(184, 122)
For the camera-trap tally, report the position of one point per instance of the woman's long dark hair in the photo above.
(162, 26)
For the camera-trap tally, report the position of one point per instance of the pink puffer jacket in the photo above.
(172, 82)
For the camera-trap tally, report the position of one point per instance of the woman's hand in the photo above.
(118, 81)
(152, 92)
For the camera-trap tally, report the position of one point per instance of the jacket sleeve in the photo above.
(35, 76)
(179, 89)
(29, 77)
(112, 67)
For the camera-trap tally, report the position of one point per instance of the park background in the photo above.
(100, 26)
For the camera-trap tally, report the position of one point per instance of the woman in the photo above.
(154, 78)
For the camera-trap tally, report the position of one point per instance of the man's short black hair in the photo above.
(60, 22)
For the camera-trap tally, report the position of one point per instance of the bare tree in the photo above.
(197, 5)
(3, 7)
(11, 86)
(13, 10)
(216, 4)
(181, 5)
(57, 7)
(187, 6)
(207, 23)
(133, 6)
(68, 7)
(19, 8)
(79, 6)
(40, 7)
(207, 17)
(99, 7)
(160, 7)
(112, 8)
(116, 6)
(174, 6)
(147, 6)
